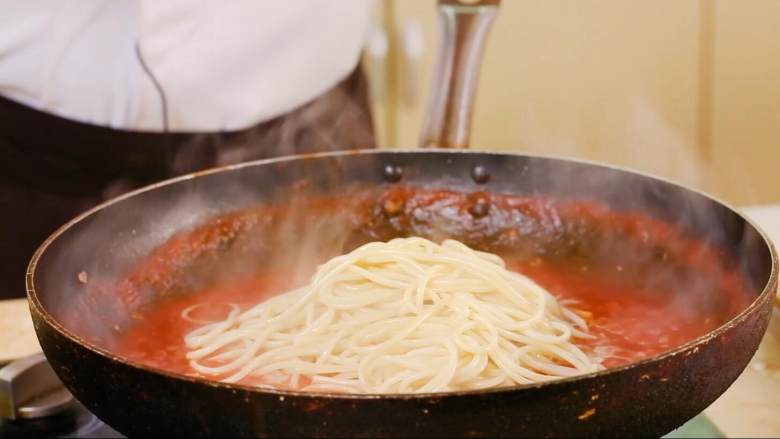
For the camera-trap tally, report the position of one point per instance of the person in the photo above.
(98, 97)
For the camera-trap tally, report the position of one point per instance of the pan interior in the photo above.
(647, 248)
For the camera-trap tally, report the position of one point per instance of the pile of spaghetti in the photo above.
(405, 316)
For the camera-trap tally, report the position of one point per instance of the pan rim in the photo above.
(39, 309)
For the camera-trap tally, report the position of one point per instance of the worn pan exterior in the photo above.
(648, 398)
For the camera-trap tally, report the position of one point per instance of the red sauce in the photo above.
(157, 337)
(645, 285)
(634, 324)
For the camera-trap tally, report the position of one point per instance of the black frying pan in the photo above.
(77, 327)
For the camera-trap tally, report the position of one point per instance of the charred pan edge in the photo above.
(37, 308)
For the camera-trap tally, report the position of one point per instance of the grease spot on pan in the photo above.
(313, 406)
(586, 414)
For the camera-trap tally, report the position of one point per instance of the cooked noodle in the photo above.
(405, 316)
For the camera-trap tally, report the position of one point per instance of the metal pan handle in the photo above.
(464, 27)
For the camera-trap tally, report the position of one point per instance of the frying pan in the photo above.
(77, 322)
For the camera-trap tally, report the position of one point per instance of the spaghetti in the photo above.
(405, 316)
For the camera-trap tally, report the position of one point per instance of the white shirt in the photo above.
(222, 65)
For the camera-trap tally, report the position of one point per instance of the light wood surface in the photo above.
(17, 335)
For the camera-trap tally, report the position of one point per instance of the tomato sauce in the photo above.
(628, 325)
(645, 286)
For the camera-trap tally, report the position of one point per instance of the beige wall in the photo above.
(746, 100)
(688, 89)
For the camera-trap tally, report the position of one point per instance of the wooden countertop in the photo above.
(17, 335)
(749, 408)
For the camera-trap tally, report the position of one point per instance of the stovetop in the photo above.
(76, 422)
(35, 403)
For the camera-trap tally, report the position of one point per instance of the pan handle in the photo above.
(464, 27)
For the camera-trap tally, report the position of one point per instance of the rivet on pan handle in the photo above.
(464, 27)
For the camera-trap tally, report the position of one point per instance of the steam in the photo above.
(338, 120)
(116, 240)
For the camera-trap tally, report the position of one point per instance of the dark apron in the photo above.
(52, 168)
